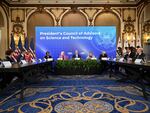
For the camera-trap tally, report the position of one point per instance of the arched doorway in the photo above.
(38, 19)
(3, 33)
(74, 18)
(108, 19)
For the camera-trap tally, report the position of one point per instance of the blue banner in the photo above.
(69, 39)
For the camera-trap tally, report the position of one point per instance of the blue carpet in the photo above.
(81, 95)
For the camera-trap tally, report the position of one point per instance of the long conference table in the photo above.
(140, 71)
(21, 71)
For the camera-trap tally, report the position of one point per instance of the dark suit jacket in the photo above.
(141, 56)
(9, 59)
(74, 56)
(131, 55)
(101, 56)
(46, 57)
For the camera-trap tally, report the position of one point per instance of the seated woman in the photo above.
(62, 56)
(28, 56)
(90, 56)
(47, 56)
(103, 55)
(16, 54)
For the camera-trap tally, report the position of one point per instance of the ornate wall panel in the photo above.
(74, 18)
(117, 11)
(58, 13)
(1, 20)
(143, 18)
(146, 32)
(90, 12)
(38, 19)
(147, 12)
(17, 23)
(129, 33)
(129, 12)
(108, 19)
(15, 13)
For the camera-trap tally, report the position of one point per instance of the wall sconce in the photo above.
(147, 37)
(127, 37)
(130, 36)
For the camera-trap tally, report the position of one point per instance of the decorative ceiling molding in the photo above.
(72, 1)
(56, 3)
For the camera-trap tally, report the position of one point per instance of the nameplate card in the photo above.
(104, 58)
(39, 60)
(121, 60)
(77, 58)
(114, 59)
(59, 59)
(23, 62)
(93, 58)
(138, 61)
(49, 59)
(44, 59)
(6, 64)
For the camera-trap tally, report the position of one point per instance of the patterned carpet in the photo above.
(78, 94)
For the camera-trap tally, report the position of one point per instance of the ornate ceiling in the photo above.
(73, 1)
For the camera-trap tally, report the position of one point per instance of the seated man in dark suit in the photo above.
(76, 55)
(103, 55)
(47, 56)
(104, 64)
(130, 53)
